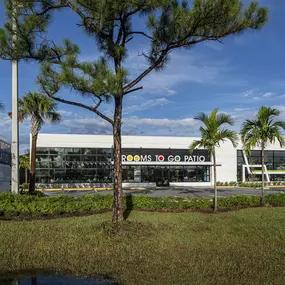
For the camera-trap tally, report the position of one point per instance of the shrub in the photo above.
(26, 206)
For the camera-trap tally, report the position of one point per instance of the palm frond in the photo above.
(222, 119)
(262, 130)
(202, 117)
(195, 144)
(279, 124)
(212, 134)
(225, 134)
(53, 117)
(280, 138)
(213, 115)
(39, 107)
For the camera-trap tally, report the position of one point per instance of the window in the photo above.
(131, 173)
(203, 173)
(148, 173)
(79, 165)
(176, 174)
(279, 160)
(274, 160)
(190, 173)
(61, 165)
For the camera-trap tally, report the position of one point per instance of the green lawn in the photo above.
(243, 247)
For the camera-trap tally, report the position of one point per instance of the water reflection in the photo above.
(54, 280)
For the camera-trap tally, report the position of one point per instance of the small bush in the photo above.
(26, 206)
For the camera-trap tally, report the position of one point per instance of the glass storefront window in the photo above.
(190, 173)
(274, 160)
(131, 173)
(62, 165)
(148, 173)
(176, 174)
(203, 174)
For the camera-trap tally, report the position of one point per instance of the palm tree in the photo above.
(25, 164)
(212, 135)
(39, 109)
(259, 132)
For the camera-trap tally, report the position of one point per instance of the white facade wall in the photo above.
(226, 153)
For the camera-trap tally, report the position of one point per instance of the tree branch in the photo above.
(92, 109)
(87, 19)
(60, 4)
(98, 103)
(133, 90)
(120, 31)
(141, 33)
(146, 72)
(174, 46)
(128, 40)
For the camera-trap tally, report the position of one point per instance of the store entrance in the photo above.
(162, 176)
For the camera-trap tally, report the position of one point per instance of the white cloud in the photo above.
(241, 109)
(65, 113)
(147, 105)
(170, 92)
(249, 92)
(6, 135)
(133, 125)
(161, 123)
(268, 94)
(255, 94)
(282, 96)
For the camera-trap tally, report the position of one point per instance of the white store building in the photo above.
(148, 161)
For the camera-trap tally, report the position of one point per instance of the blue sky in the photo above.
(238, 76)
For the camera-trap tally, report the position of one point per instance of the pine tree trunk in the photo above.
(33, 164)
(215, 183)
(26, 175)
(262, 177)
(118, 192)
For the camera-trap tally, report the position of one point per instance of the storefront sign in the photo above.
(165, 156)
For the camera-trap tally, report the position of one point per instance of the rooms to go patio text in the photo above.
(162, 158)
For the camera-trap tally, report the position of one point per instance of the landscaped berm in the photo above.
(246, 246)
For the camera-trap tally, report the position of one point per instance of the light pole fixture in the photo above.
(15, 121)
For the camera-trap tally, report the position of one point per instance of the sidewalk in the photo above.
(172, 191)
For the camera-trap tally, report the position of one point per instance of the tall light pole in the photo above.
(15, 122)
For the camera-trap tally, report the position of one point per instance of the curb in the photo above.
(85, 189)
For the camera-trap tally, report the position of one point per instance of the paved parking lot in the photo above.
(171, 191)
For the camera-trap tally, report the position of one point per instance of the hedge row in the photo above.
(36, 206)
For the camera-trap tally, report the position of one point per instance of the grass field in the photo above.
(243, 247)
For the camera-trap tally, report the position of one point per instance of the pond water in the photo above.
(54, 280)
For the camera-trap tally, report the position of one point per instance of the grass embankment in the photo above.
(243, 247)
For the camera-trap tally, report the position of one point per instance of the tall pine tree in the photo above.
(168, 25)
